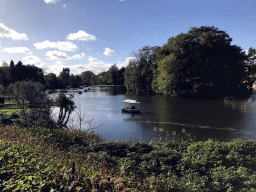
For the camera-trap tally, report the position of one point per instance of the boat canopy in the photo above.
(130, 101)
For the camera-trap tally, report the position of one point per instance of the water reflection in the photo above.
(203, 119)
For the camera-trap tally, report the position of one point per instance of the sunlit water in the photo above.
(202, 119)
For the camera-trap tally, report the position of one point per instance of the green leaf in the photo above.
(63, 168)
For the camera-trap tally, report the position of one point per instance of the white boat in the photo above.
(69, 95)
(131, 109)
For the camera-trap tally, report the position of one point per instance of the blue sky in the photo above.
(93, 35)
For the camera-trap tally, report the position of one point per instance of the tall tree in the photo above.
(65, 76)
(203, 61)
(75, 81)
(144, 69)
(130, 77)
(86, 76)
(52, 82)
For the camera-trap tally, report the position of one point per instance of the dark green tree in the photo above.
(144, 69)
(120, 76)
(67, 106)
(201, 62)
(93, 79)
(130, 77)
(65, 76)
(86, 76)
(75, 81)
(52, 82)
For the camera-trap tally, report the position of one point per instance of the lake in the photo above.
(203, 119)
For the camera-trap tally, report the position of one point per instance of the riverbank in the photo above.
(58, 160)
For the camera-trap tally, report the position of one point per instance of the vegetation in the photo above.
(33, 159)
(200, 63)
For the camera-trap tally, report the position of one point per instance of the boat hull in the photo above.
(130, 110)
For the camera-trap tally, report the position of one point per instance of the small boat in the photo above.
(69, 95)
(79, 92)
(132, 109)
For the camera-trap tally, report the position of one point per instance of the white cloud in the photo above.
(31, 59)
(51, 1)
(63, 46)
(109, 52)
(56, 55)
(81, 35)
(34, 60)
(78, 56)
(96, 65)
(125, 63)
(10, 33)
(24, 50)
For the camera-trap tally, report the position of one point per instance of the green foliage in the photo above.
(201, 63)
(52, 82)
(86, 76)
(40, 160)
(67, 106)
(139, 73)
(65, 76)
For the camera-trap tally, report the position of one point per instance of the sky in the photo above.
(93, 35)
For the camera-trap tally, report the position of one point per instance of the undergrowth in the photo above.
(33, 159)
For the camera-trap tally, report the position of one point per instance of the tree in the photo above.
(64, 76)
(112, 75)
(5, 75)
(144, 69)
(130, 77)
(201, 62)
(86, 76)
(20, 72)
(67, 106)
(93, 79)
(52, 82)
(75, 81)
(29, 97)
(120, 76)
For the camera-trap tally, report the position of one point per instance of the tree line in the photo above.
(199, 63)
(113, 76)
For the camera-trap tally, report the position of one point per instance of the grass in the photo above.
(8, 112)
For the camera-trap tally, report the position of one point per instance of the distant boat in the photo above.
(79, 92)
(69, 95)
(132, 109)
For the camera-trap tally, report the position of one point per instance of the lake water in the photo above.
(203, 119)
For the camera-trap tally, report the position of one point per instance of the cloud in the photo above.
(63, 46)
(56, 55)
(24, 50)
(81, 35)
(51, 1)
(109, 52)
(34, 60)
(10, 33)
(31, 60)
(125, 63)
(78, 56)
